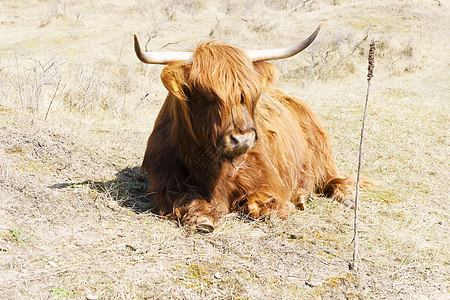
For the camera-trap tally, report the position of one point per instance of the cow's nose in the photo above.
(242, 141)
(238, 143)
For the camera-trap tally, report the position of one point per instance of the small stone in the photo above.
(52, 264)
(217, 276)
(112, 205)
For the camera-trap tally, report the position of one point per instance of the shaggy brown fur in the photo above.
(224, 92)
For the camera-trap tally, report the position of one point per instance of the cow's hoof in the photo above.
(205, 225)
(291, 207)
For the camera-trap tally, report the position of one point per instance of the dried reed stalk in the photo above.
(354, 264)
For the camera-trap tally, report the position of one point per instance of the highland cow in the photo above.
(226, 140)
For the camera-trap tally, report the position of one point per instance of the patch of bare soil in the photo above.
(46, 181)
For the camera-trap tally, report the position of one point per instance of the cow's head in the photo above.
(218, 88)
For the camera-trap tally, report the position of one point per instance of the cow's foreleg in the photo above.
(198, 214)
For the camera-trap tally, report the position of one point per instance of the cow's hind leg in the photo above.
(340, 188)
(300, 196)
(264, 204)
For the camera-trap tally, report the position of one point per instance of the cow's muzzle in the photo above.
(237, 143)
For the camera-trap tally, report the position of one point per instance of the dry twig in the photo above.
(358, 176)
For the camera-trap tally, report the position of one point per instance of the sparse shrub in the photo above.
(339, 55)
(172, 8)
(400, 56)
(93, 90)
(332, 58)
(88, 90)
(62, 9)
(33, 81)
(260, 25)
(100, 88)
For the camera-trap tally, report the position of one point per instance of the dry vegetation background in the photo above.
(76, 108)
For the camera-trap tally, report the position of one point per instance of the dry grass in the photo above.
(76, 108)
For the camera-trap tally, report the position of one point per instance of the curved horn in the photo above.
(162, 58)
(272, 54)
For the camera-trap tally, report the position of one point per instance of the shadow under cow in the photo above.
(128, 189)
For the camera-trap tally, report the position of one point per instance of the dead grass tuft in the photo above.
(172, 8)
(31, 82)
(401, 57)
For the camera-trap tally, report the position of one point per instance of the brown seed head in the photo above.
(371, 60)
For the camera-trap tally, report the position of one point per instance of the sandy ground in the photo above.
(76, 108)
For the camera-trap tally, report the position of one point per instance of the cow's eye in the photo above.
(242, 100)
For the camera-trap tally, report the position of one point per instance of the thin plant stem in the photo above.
(358, 176)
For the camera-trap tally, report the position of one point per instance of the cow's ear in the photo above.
(267, 72)
(174, 77)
